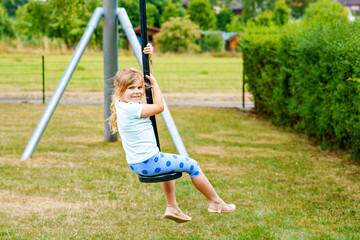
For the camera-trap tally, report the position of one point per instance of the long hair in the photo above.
(123, 79)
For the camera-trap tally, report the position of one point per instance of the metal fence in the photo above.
(186, 74)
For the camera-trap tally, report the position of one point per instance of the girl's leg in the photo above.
(216, 205)
(173, 211)
(164, 162)
(169, 191)
(204, 186)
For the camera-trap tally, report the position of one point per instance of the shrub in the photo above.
(259, 46)
(211, 42)
(306, 75)
(178, 35)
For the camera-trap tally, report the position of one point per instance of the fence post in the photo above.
(243, 87)
(43, 77)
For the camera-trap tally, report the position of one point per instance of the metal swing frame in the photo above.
(111, 13)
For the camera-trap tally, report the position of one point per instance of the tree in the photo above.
(201, 14)
(69, 19)
(132, 9)
(224, 17)
(98, 33)
(251, 8)
(179, 6)
(32, 19)
(298, 7)
(326, 10)
(178, 35)
(152, 15)
(236, 24)
(220, 3)
(152, 11)
(6, 26)
(160, 4)
(281, 13)
(265, 18)
(169, 11)
(12, 5)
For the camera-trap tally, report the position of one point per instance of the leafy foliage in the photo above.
(178, 35)
(281, 13)
(298, 7)
(279, 16)
(68, 20)
(224, 17)
(6, 26)
(211, 42)
(306, 75)
(31, 19)
(201, 13)
(236, 24)
(132, 10)
(154, 9)
(152, 15)
(325, 10)
(251, 8)
(169, 11)
(65, 20)
(265, 18)
(12, 5)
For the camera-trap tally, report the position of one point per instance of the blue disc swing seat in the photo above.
(160, 178)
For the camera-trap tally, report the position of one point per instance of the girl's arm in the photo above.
(148, 50)
(158, 105)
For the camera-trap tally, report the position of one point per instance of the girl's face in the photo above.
(133, 93)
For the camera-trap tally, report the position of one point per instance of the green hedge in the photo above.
(307, 75)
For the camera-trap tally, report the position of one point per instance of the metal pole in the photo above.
(166, 115)
(110, 51)
(145, 60)
(243, 87)
(62, 84)
(130, 34)
(43, 77)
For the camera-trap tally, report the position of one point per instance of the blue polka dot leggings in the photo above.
(164, 163)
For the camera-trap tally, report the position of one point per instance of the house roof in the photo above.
(228, 36)
(150, 30)
(236, 6)
(349, 2)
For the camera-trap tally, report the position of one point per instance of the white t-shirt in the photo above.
(137, 134)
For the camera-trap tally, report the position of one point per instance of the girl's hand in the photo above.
(148, 50)
(152, 79)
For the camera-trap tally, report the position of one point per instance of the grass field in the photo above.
(77, 186)
(174, 73)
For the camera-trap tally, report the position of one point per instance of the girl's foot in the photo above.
(220, 207)
(176, 215)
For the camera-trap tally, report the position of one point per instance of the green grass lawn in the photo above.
(76, 186)
(174, 73)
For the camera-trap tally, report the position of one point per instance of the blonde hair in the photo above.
(123, 79)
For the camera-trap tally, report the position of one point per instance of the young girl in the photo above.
(131, 119)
